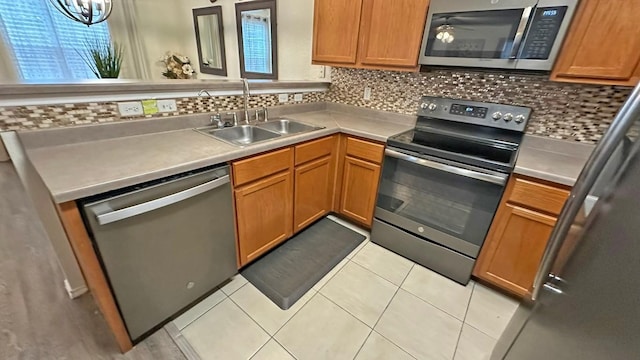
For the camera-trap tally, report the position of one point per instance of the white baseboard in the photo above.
(74, 293)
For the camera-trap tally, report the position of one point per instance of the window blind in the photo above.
(256, 44)
(43, 42)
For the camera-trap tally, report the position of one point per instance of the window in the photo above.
(44, 43)
(256, 38)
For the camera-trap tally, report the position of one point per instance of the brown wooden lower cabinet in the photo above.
(313, 192)
(359, 189)
(264, 215)
(514, 246)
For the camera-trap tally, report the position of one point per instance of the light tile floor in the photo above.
(375, 304)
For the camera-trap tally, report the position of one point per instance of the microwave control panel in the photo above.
(543, 32)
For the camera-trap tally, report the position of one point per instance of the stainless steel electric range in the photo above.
(442, 182)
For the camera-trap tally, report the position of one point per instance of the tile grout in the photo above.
(464, 318)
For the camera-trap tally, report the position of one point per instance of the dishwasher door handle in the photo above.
(135, 210)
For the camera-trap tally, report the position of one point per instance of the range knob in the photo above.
(520, 118)
(432, 106)
(496, 115)
(507, 117)
(424, 106)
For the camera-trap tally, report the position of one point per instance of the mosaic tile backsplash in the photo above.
(560, 110)
(47, 116)
(563, 111)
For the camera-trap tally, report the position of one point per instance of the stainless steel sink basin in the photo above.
(242, 135)
(286, 126)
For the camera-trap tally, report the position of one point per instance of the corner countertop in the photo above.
(558, 161)
(78, 170)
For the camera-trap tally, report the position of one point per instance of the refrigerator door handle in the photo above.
(614, 136)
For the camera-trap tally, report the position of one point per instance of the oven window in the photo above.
(454, 204)
(477, 34)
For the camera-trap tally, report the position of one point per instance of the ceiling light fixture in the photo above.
(445, 33)
(88, 12)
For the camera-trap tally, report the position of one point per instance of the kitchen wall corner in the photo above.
(4, 155)
(560, 110)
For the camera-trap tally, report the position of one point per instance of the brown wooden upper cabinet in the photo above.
(373, 34)
(603, 45)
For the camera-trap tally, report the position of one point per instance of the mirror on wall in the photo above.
(210, 40)
(257, 39)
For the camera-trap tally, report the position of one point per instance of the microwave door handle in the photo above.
(517, 40)
(113, 216)
(494, 178)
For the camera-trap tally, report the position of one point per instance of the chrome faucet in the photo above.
(202, 92)
(245, 95)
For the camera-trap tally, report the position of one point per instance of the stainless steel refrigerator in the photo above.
(586, 298)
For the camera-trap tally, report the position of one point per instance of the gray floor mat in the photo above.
(288, 272)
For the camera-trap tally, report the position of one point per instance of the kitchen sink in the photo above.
(286, 126)
(242, 135)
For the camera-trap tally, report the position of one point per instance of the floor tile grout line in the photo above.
(252, 319)
(387, 307)
(361, 346)
(464, 318)
(374, 273)
(347, 311)
(282, 346)
(201, 315)
(291, 318)
(394, 296)
(438, 307)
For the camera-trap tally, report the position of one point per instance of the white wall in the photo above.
(168, 25)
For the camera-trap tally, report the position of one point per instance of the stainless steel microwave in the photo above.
(506, 34)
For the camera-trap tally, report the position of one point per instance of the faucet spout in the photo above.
(245, 95)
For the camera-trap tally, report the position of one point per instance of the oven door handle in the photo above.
(517, 40)
(494, 178)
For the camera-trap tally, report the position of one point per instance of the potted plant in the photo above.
(103, 57)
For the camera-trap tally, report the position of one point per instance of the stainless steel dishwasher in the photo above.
(164, 244)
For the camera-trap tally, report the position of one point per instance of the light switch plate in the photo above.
(283, 98)
(297, 97)
(168, 105)
(130, 108)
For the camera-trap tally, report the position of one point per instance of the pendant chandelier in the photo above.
(88, 12)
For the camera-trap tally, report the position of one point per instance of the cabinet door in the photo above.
(359, 190)
(264, 211)
(391, 32)
(514, 247)
(603, 45)
(335, 30)
(313, 191)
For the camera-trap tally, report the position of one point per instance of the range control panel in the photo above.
(478, 113)
(468, 110)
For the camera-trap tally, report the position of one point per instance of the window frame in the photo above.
(259, 5)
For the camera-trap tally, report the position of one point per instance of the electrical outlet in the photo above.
(297, 97)
(367, 93)
(130, 108)
(283, 98)
(168, 105)
(322, 72)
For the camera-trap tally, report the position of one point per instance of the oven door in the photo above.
(448, 203)
(478, 33)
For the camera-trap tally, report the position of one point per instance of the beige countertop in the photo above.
(553, 160)
(82, 169)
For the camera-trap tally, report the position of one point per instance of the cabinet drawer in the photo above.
(365, 150)
(257, 167)
(314, 150)
(538, 196)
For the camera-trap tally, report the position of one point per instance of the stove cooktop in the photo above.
(467, 132)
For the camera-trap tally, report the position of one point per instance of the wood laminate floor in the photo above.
(37, 319)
